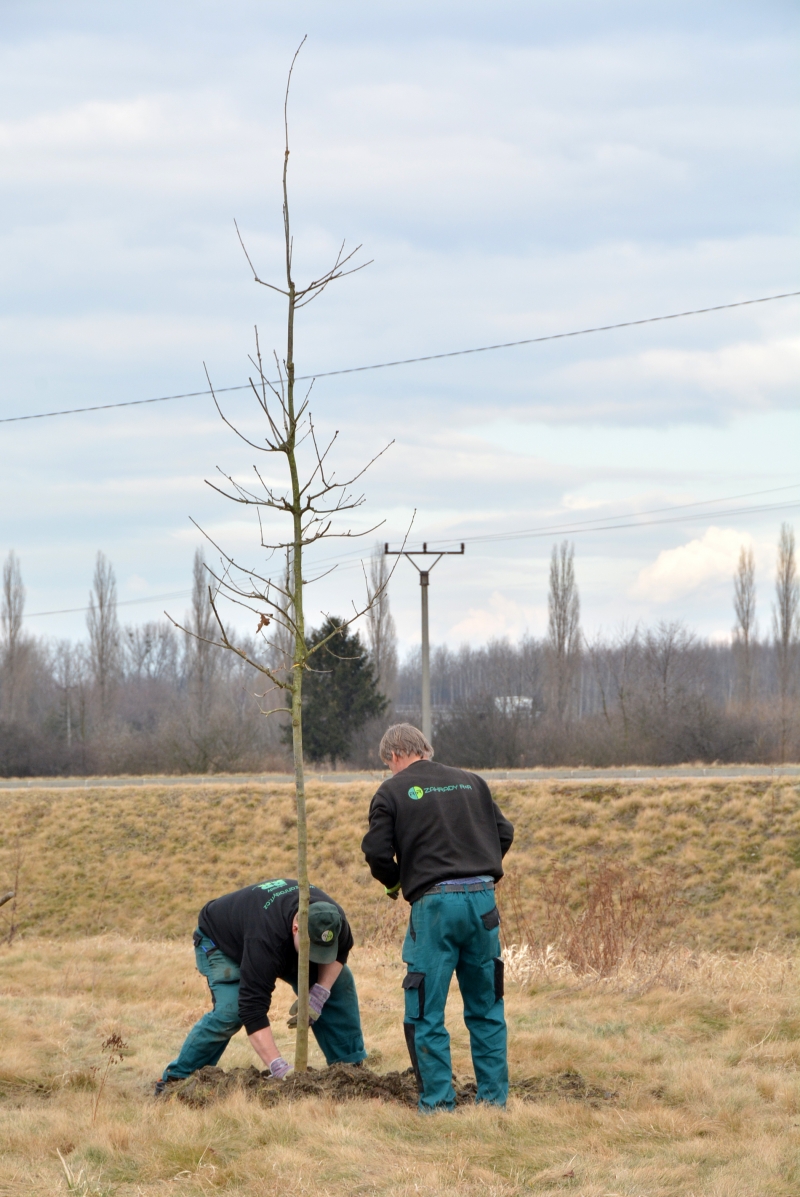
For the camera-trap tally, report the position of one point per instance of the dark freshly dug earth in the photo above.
(341, 1082)
(351, 1082)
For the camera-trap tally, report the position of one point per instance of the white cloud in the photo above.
(501, 617)
(678, 572)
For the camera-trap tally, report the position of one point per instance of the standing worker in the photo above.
(244, 942)
(436, 833)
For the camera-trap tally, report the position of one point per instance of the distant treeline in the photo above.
(659, 696)
(157, 698)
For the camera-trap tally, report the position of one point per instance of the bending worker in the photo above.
(436, 833)
(244, 942)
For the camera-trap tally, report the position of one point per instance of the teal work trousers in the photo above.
(447, 933)
(337, 1030)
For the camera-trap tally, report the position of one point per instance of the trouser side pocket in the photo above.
(414, 986)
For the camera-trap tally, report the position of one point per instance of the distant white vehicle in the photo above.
(510, 704)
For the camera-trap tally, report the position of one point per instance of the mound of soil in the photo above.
(352, 1082)
(569, 1086)
(341, 1082)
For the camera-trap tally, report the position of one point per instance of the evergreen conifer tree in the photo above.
(340, 693)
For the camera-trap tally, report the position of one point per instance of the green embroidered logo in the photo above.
(416, 792)
(270, 885)
(326, 936)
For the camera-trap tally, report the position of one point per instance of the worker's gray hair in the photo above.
(403, 739)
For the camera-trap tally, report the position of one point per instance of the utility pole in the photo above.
(424, 575)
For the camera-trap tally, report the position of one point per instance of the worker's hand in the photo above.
(393, 893)
(317, 997)
(280, 1068)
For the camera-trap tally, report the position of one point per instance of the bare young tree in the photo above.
(564, 612)
(103, 627)
(744, 605)
(311, 502)
(11, 615)
(381, 633)
(786, 626)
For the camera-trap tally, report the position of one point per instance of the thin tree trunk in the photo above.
(299, 656)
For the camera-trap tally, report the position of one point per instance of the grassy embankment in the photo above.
(703, 1069)
(142, 862)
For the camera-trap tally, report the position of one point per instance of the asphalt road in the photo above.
(632, 774)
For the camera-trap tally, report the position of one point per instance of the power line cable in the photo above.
(408, 361)
(577, 529)
(635, 517)
(152, 598)
(574, 528)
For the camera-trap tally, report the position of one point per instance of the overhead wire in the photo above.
(343, 563)
(150, 598)
(409, 361)
(577, 525)
(573, 528)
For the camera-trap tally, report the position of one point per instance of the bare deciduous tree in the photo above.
(564, 632)
(11, 615)
(68, 673)
(786, 626)
(381, 634)
(202, 663)
(744, 605)
(151, 650)
(311, 500)
(103, 628)
(616, 674)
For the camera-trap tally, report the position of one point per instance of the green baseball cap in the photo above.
(324, 925)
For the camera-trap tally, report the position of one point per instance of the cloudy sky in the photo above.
(512, 170)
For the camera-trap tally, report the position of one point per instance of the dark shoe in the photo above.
(160, 1087)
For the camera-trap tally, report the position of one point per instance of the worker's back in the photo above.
(439, 823)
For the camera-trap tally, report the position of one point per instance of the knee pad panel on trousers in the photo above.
(499, 979)
(410, 1033)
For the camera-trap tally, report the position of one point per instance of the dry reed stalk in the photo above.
(113, 1046)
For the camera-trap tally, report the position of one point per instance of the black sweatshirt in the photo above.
(431, 823)
(254, 927)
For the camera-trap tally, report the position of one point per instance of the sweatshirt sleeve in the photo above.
(258, 975)
(378, 844)
(505, 829)
(345, 943)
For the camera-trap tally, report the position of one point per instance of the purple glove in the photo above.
(317, 997)
(279, 1068)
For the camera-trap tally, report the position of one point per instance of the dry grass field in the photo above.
(691, 1056)
(702, 1075)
